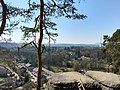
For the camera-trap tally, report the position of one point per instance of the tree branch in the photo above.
(35, 45)
(4, 15)
(26, 44)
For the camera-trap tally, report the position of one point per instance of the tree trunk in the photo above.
(39, 82)
(4, 14)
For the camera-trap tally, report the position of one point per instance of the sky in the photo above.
(103, 17)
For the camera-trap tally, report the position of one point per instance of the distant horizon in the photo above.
(55, 43)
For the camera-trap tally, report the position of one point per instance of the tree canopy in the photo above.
(17, 16)
(113, 51)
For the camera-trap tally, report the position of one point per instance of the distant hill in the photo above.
(73, 45)
(12, 46)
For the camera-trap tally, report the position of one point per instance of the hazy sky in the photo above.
(103, 18)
